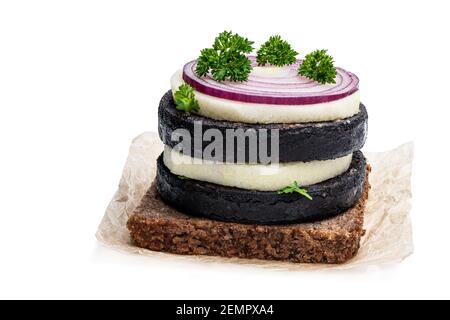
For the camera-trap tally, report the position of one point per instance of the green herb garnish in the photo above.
(295, 188)
(276, 52)
(226, 60)
(185, 99)
(183, 178)
(318, 66)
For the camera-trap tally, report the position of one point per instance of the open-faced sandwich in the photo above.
(261, 157)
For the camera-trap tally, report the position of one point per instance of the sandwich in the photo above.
(261, 158)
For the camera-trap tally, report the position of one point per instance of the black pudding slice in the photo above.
(203, 199)
(297, 142)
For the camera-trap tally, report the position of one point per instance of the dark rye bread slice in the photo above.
(159, 227)
(213, 201)
(297, 141)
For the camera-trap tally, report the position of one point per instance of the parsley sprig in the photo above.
(318, 66)
(294, 187)
(276, 52)
(227, 59)
(185, 99)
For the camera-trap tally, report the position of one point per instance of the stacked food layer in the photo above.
(320, 130)
(260, 141)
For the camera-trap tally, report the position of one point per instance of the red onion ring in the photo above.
(290, 90)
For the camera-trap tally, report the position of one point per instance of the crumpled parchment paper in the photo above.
(388, 236)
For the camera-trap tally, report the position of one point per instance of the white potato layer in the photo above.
(223, 109)
(270, 177)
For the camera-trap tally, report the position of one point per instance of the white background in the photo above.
(80, 79)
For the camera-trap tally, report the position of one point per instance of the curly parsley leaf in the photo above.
(276, 52)
(318, 66)
(227, 59)
(295, 188)
(185, 99)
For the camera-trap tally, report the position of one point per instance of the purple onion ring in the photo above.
(290, 90)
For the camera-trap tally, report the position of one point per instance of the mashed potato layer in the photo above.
(260, 177)
(229, 110)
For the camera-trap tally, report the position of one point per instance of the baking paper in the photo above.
(388, 237)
